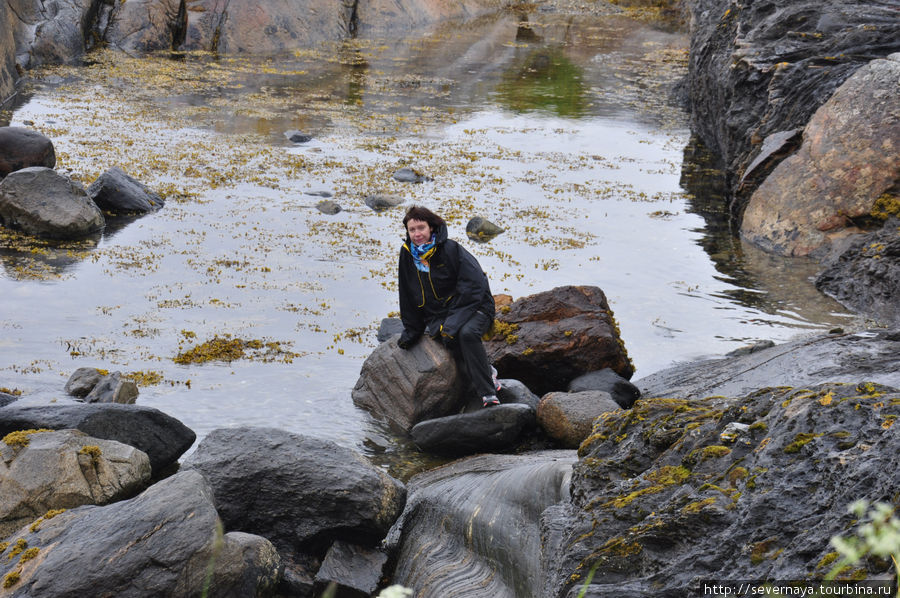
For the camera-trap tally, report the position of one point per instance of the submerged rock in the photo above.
(41, 202)
(548, 339)
(22, 148)
(409, 175)
(298, 136)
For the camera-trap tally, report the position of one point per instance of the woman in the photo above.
(445, 294)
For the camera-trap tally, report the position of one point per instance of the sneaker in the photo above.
(490, 401)
(496, 382)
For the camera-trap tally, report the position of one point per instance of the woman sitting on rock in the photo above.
(445, 294)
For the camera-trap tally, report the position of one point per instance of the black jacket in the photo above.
(448, 295)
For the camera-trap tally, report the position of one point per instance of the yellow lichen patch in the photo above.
(92, 450)
(737, 474)
(618, 546)
(11, 391)
(48, 515)
(504, 330)
(800, 440)
(886, 206)
(11, 579)
(29, 554)
(696, 507)
(888, 421)
(827, 560)
(19, 438)
(826, 399)
(19, 547)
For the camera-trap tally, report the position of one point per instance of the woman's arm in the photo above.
(411, 316)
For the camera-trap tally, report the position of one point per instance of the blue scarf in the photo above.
(422, 253)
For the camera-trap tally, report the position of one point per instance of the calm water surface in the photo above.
(561, 130)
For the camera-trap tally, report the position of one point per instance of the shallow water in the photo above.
(562, 130)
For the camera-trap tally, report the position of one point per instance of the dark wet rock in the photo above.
(567, 417)
(380, 202)
(7, 399)
(41, 202)
(480, 229)
(22, 148)
(298, 136)
(82, 381)
(319, 193)
(760, 68)
(62, 470)
(353, 568)
(306, 492)
(847, 161)
(548, 339)
(160, 543)
(327, 206)
(621, 390)
(489, 429)
(409, 175)
(405, 387)
(748, 349)
(52, 34)
(865, 276)
(161, 436)
(114, 191)
(471, 528)
(675, 491)
(388, 328)
(113, 389)
(514, 391)
(145, 25)
(870, 355)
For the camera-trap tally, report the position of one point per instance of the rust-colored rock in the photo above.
(850, 156)
(548, 339)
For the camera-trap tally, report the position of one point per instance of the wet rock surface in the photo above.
(41, 202)
(489, 429)
(623, 392)
(567, 416)
(866, 275)
(864, 356)
(665, 498)
(114, 191)
(849, 158)
(548, 339)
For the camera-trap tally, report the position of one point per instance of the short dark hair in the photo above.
(424, 214)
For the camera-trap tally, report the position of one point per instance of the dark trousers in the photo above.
(471, 357)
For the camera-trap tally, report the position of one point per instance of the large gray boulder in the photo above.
(405, 387)
(849, 158)
(53, 33)
(60, 470)
(161, 436)
(115, 191)
(567, 417)
(8, 73)
(548, 339)
(301, 493)
(163, 542)
(22, 148)
(146, 25)
(41, 202)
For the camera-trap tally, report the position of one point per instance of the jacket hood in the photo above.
(440, 235)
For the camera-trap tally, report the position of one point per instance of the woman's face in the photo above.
(419, 231)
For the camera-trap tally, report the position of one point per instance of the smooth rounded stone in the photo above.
(39, 201)
(490, 429)
(872, 355)
(865, 274)
(161, 436)
(550, 338)
(116, 192)
(62, 470)
(381, 202)
(568, 417)
(623, 392)
(21, 147)
(404, 387)
(388, 328)
(354, 568)
(847, 161)
(409, 175)
(113, 389)
(327, 206)
(161, 543)
(513, 391)
(482, 230)
(306, 492)
(472, 528)
(298, 136)
(82, 382)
